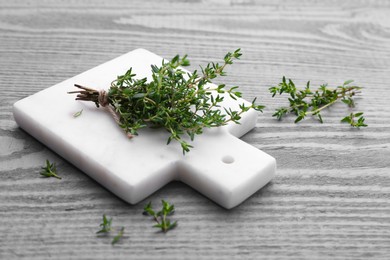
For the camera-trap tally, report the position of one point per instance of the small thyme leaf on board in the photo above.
(106, 228)
(78, 113)
(307, 102)
(180, 102)
(50, 170)
(160, 217)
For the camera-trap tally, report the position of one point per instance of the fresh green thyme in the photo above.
(160, 217)
(306, 102)
(183, 103)
(105, 225)
(118, 236)
(50, 170)
(106, 228)
(78, 113)
(355, 119)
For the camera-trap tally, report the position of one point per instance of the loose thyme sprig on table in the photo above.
(176, 100)
(307, 102)
(160, 217)
(50, 170)
(106, 229)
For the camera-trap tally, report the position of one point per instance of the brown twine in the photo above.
(103, 98)
(103, 101)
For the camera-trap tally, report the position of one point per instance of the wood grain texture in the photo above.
(331, 196)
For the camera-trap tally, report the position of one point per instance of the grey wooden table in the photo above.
(331, 196)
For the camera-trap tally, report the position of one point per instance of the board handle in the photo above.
(226, 169)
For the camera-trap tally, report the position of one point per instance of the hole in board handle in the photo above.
(228, 159)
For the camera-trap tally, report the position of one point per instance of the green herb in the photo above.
(50, 170)
(306, 102)
(356, 123)
(105, 225)
(77, 114)
(160, 217)
(106, 228)
(183, 103)
(118, 236)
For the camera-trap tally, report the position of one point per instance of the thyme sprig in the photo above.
(106, 229)
(118, 236)
(183, 103)
(355, 119)
(160, 217)
(105, 225)
(49, 170)
(306, 102)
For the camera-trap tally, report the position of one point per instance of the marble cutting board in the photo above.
(220, 166)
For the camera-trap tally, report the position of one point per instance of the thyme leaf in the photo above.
(105, 228)
(78, 113)
(49, 170)
(118, 236)
(355, 120)
(105, 225)
(160, 217)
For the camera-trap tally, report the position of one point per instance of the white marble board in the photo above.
(220, 166)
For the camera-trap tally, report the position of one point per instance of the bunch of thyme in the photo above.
(306, 102)
(183, 103)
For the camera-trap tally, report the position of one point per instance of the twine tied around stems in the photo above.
(100, 98)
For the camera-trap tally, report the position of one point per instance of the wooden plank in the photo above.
(330, 198)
